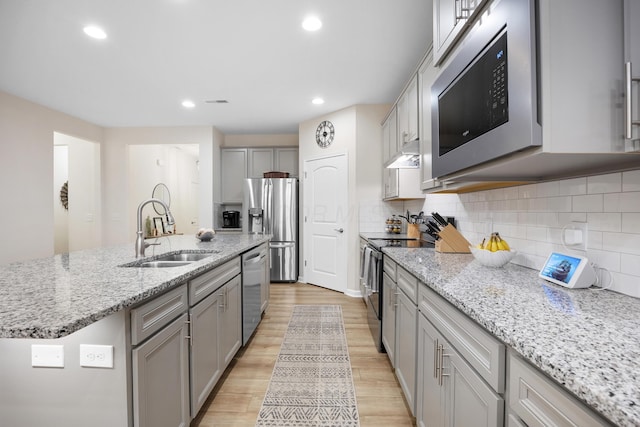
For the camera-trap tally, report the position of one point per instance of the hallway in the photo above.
(238, 397)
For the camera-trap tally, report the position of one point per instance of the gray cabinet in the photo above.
(390, 135)
(632, 59)
(389, 302)
(450, 392)
(461, 367)
(539, 402)
(237, 164)
(265, 285)
(233, 172)
(216, 329)
(160, 361)
(408, 113)
(450, 20)
(406, 334)
(426, 76)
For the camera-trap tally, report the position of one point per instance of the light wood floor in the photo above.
(238, 396)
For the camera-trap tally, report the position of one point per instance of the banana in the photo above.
(494, 244)
(505, 245)
(480, 245)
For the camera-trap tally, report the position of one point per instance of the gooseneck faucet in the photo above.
(141, 245)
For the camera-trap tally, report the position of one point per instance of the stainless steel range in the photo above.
(371, 277)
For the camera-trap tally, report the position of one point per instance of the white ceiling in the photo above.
(252, 53)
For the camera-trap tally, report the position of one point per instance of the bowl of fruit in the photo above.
(493, 252)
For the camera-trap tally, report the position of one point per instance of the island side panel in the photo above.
(73, 396)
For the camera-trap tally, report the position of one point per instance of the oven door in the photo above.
(372, 276)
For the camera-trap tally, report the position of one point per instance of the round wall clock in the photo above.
(324, 134)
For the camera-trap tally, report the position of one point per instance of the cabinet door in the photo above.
(231, 320)
(428, 391)
(406, 338)
(469, 401)
(161, 378)
(206, 367)
(286, 160)
(632, 55)
(385, 141)
(390, 183)
(389, 317)
(265, 286)
(447, 23)
(426, 77)
(408, 113)
(260, 161)
(233, 172)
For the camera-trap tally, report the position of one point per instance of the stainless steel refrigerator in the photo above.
(271, 207)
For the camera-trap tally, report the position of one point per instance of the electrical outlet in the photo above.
(96, 356)
(575, 235)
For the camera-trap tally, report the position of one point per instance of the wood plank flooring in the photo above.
(238, 396)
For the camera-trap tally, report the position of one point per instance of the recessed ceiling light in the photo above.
(312, 24)
(317, 101)
(188, 103)
(95, 32)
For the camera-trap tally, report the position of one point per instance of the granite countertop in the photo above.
(587, 340)
(56, 296)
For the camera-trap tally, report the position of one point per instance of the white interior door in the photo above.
(326, 220)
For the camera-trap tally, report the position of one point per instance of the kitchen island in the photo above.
(89, 298)
(587, 341)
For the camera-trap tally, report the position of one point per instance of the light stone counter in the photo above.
(585, 339)
(56, 296)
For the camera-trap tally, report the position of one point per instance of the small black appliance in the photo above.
(231, 219)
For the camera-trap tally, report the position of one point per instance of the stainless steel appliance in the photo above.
(484, 104)
(371, 278)
(230, 219)
(271, 207)
(254, 265)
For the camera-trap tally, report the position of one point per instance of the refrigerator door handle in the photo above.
(281, 245)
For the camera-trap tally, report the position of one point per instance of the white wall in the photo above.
(26, 174)
(531, 218)
(118, 211)
(176, 166)
(60, 214)
(357, 134)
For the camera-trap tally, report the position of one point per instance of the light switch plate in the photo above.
(96, 356)
(47, 356)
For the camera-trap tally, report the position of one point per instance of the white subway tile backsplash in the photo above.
(587, 203)
(605, 221)
(622, 202)
(631, 181)
(611, 183)
(630, 222)
(531, 218)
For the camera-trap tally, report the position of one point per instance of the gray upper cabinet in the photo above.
(450, 19)
(237, 164)
(233, 172)
(408, 113)
(426, 76)
(632, 59)
(260, 161)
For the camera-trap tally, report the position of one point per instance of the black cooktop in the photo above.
(390, 242)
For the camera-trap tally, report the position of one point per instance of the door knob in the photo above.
(339, 230)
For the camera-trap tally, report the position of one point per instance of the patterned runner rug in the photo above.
(311, 383)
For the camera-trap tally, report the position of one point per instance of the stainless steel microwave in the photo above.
(485, 101)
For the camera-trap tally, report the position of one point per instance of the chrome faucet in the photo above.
(141, 245)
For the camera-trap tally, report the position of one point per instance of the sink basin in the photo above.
(183, 257)
(164, 264)
(176, 259)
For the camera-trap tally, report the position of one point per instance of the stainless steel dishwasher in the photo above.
(254, 269)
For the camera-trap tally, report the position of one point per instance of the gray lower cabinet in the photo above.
(450, 392)
(405, 357)
(389, 298)
(182, 341)
(539, 402)
(216, 336)
(161, 378)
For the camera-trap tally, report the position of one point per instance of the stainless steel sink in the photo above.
(183, 257)
(164, 264)
(176, 259)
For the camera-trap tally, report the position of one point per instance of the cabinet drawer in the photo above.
(408, 283)
(154, 315)
(389, 267)
(208, 282)
(540, 402)
(483, 351)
